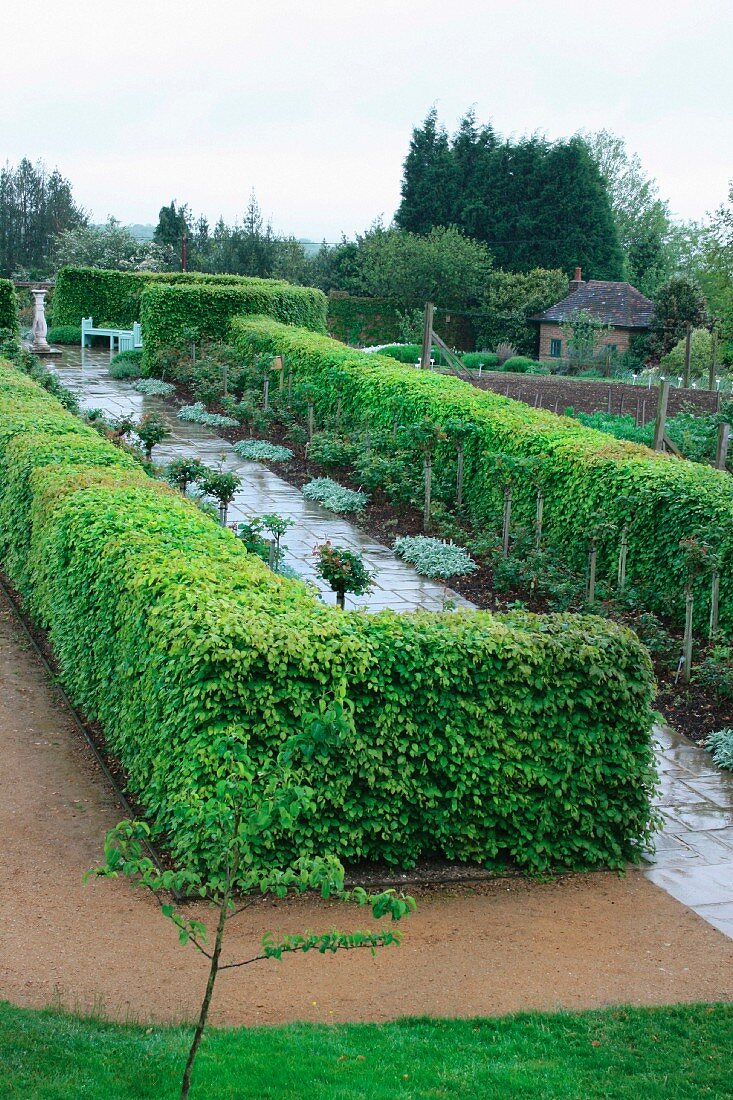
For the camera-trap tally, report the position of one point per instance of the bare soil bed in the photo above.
(484, 948)
(587, 396)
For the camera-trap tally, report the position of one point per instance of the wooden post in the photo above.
(687, 643)
(721, 452)
(266, 393)
(621, 406)
(661, 420)
(427, 336)
(279, 365)
(622, 556)
(714, 602)
(592, 555)
(310, 420)
(428, 471)
(290, 390)
(610, 395)
(506, 521)
(459, 477)
(713, 352)
(688, 354)
(538, 520)
(224, 378)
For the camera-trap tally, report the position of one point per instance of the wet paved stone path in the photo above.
(693, 860)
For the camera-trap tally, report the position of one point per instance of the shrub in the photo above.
(335, 497)
(720, 744)
(584, 474)
(126, 365)
(434, 558)
(171, 313)
(64, 334)
(261, 450)
(331, 450)
(522, 364)
(716, 671)
(343, 570)
(197, 414)
(463, 735)
(403, 353)
(472, 360)
(504, 351)
(8, 307)
(153, 387)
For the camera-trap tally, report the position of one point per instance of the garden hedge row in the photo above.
(171, 314)
(512, 737)
(113, 298)
(8, 306)
(365, 321)
(590, 482)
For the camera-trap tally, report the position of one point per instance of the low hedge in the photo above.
(171, 313)
(64, 334)
(8, 306)
(113, 298)
(591, 482)
(493, 738)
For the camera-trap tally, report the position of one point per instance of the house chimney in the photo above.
(576, 282)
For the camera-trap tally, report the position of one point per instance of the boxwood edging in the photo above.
(493, 738)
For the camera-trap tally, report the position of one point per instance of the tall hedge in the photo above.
(8, 306)
(513, 737)
(361, 320)
(170, 312)
(591, 482)
(113, 298)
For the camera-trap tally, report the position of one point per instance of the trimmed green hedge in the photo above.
(587, 477)
(512, 737)
(113, 298)
(169, 314)
(8, 306)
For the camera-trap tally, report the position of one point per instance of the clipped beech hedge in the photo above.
(493, 738)
(171, 313)
(8, 306)
(590, 481)
(113, 298)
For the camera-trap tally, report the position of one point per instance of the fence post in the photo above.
(661, 420)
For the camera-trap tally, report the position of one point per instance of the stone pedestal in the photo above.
(40, 345)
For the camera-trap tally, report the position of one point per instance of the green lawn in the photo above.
(644, 1054)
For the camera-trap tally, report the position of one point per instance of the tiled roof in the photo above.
(619, 304)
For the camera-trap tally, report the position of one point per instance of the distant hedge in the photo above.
(510, 738)
(590, 481)
(8, 306)
(169, 313)
(361, 320)
(113, 298)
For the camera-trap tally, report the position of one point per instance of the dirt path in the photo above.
(579, 942)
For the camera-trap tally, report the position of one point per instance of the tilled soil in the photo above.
(580, 941)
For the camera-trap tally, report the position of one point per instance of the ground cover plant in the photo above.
(335, 497)
(648, 498)
(197, 414)
(200, 647)
(720, 744)
(260, 450)
(675, 1053)
(434, 557)
(153, 387)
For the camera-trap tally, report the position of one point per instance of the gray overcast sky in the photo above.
(312, 104)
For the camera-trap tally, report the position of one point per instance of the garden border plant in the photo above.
(463, 735)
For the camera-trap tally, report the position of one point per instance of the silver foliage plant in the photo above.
(433, 557)
(261, 450)
(197, 414)
(153, 387)
(335, 497)
(720, 744)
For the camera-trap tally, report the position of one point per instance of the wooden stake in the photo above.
(290, 389)
(610, 395)
(687, 644)
(713, 351)
(428, 470)
(279, 365)
(507, 520)
(224, 378)
(622, 556)
(661, 416)
(266, 393)
(714, 602)
(459, 477)
(592, 555)
(311, 419)
(688, 354)
(538, 520)
(721, 452)
(427, 336)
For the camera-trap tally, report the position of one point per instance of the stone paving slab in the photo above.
(693, 860)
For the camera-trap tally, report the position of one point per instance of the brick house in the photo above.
(620, 305)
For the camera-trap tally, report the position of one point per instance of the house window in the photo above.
(612, 348)
(555, 348)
